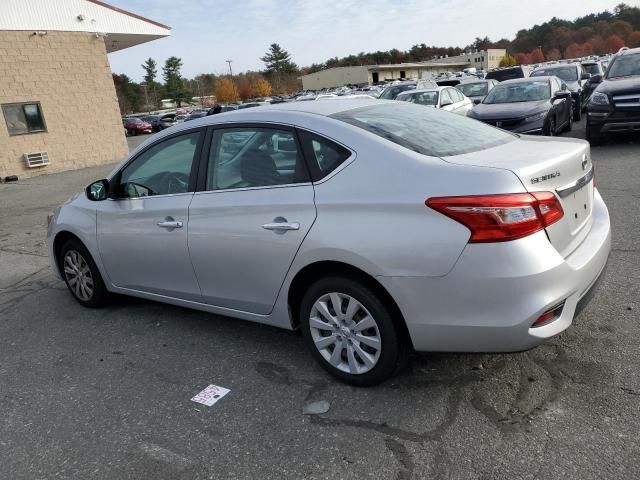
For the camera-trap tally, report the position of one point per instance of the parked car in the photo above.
(575, 76)
(508, 73)
(477, 90)
(136, 126)
(392, 91)
(449, 99)
(195, 114)
(158, 122)
(540, 105)
(614, 106)
(373, 227)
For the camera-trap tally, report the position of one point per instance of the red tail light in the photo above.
(501, 218)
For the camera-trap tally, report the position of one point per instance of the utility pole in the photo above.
(235, 93)
(146, 97)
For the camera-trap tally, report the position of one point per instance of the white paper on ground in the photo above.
(210, 395)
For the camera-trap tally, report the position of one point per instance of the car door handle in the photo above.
(281, 226)
(170, 224)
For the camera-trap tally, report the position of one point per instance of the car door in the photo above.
(247, 222)
(563, 108)
(142, 228)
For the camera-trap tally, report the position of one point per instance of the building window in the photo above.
(23, 118)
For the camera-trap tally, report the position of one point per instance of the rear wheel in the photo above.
(569, 126)
(350, 332)
(81, 275)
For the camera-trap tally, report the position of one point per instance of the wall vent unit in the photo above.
(37, 159)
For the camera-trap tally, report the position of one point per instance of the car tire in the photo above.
(569, 126)
(81, 275)
(594, 137)
(332, 313)
(577, 111)
(551, 127)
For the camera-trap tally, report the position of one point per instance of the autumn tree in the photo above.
(507, 61)
(613, 44)
(633, 40)
(537, 56)
(523, 58)
(225, 90)
(262, 88)
(554, 54)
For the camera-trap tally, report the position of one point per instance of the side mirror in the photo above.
(477, 101)
(595, 79)
(98, 191)
(586, 76)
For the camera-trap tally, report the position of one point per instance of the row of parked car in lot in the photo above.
(541, 99)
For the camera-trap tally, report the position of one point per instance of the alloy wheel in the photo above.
(78, 275)
(345, 333)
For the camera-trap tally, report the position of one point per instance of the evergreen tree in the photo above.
(278, 60)
(173, 82)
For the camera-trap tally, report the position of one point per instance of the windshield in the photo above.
(479, 89)
(518, 92)
(425, 130)
(421, 98)
(592, 68)
(568, 74)
(625, 66)
(390, 93)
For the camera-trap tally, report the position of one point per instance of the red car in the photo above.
(136, 126)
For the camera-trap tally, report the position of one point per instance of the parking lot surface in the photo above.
(105, 394)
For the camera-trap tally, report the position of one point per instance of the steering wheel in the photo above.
(175, 182)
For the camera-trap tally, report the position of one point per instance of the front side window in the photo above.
(163, 169)
(425, 130)
(445, 99)
(22, 118)
(625, 66)
(323, 155)
(254, 157)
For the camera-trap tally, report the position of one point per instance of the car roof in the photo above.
(528, 79)
(558, 65)
(629, 51)
(422, 90)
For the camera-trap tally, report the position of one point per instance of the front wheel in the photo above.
(551, 127)
(81, 275)
(351, 332)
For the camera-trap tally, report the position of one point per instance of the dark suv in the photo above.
(615, 105)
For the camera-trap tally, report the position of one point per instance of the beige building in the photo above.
(58, 104)
(369, 74)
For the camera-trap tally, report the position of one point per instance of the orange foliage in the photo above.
(523, 58)
(633, 40)
(613, 44)
(537, 56)
(554, 54)
(225, 91)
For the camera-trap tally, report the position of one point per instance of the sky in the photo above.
(205, 33)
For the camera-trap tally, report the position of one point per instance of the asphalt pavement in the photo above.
(105, 394)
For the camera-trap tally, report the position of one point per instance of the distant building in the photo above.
(58, 104)
(369, 74)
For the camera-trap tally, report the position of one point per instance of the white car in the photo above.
(375, 227)
(449, 99)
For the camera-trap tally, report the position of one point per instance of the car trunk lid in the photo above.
(561, 166)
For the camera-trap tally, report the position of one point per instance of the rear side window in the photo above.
(425, 130)
(322, 154)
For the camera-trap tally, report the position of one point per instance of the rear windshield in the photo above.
(425, 130)
(568, 74)
(390, 93)
(507, 74)
(479, 89)
(421, 98)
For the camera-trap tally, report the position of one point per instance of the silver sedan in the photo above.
(374, 227)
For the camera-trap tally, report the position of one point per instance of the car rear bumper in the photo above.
(494, 294)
